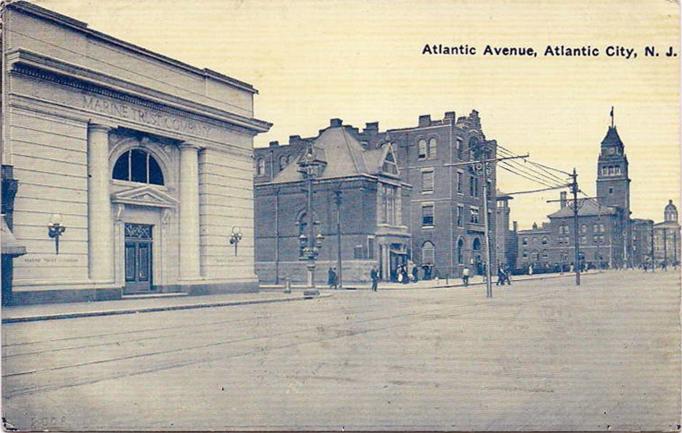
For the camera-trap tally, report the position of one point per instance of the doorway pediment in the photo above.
(145, 195)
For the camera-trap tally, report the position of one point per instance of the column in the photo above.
(189, 212)
(100, 222)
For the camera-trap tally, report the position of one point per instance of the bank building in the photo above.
(124, 171)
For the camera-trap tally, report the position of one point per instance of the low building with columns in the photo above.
(133, 169)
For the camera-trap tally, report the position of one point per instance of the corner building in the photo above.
(145, 161)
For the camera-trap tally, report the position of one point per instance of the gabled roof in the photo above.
(343, 154)
(587, 207)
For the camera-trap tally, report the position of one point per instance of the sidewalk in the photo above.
(427, 284)
(31, 313)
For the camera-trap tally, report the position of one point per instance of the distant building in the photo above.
(604, 224)
(642, 231)
(443, 213)
(667, 237)
(374, 201)
(506, 247)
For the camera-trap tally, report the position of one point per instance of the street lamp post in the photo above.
(310, 167)
(338, 199)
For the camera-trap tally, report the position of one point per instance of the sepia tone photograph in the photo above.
(340, 215)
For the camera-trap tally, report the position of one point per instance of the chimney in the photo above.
(425, 120)
(274, 143)
(449, 116)
(371, 128)
(562, 199)
(335, 123)
(293, 139)
(515, 226)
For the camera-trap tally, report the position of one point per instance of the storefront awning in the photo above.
(10, 246)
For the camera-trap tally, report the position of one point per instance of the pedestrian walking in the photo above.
(332, 280)
(406, 276)
(507, 274)
(500, 276)
(415, 273)
(530, 269)
(465, 276)
(374, 275)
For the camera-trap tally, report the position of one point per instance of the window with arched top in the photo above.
(428, 253)
(423, 150)
(433, 148)
(260, 166)
(476, 245)
(283, 161)
(138, 165)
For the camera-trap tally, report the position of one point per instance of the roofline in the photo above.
(81, 26)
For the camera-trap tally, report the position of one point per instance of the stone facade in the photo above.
(444, 211)
(146, 161)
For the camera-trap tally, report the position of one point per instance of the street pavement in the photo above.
(541, 355)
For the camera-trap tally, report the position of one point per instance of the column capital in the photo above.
(187, 146)
(99, 127)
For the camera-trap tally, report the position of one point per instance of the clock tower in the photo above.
(613, 183)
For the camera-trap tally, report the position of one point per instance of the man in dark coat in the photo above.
(374, 275)
(331, 278)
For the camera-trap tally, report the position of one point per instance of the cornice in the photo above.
(36, 65)
(82, 27)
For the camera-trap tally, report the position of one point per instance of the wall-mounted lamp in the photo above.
(55, 229)
(235, 237)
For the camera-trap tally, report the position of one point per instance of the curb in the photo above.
(151, 309)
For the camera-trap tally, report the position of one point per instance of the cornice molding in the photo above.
(38, 66)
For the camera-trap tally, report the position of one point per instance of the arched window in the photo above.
(260, 167)
(137, 165)
(460, 251)
(283, 161)
(433, 144)
(428, 253)
(474, 148)
(423, 150)
(476, 245)
(545, 240)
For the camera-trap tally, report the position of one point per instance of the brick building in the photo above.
(374, 202)
(442, 197)
(506, 248)
(604, 223)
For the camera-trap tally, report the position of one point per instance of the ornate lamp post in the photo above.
(55, 229)
(310, 167)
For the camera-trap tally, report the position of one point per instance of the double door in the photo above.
(138, 258)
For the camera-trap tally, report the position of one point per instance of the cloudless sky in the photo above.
(361, 61)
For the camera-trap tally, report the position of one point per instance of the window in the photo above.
(460, 215)
(524, 241)
(583, 228)
(460, 181)
(427, 181)
(564, 230)
(489, 189)
(476, 245)
(370, 247)
(138, 165)
(545, 255)
(460, 251)
(423, 150)
(390, 165)
(428, 253)
(388, 210)
(433, 143)
(610, 170)
(525, 254)
(545, 240)
(283, 162)
(617, 169)
(583, 240)
(474, 218)
(601, 228)
(427, 215)
(260, 167)
(473, 147)
(460, 148)
(611, 190)
(358, 252)
(473, 186)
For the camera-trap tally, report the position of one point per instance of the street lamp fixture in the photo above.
(235, 237)
(55, 229)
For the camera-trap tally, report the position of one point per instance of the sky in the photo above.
(362, 61)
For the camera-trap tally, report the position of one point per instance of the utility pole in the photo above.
(339, 265)
(483, 167)
(576, 241)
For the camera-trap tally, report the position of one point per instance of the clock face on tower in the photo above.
(612, 150)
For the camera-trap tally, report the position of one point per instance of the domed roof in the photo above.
(670, 212)
(670, 206)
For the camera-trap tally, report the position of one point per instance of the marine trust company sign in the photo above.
(144, 115)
